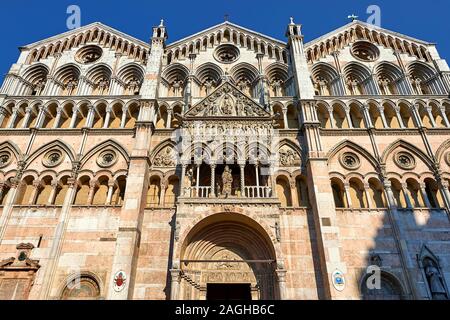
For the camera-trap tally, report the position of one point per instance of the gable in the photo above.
(95, 33)
(225, 28)
(227, 101)
(361, 31)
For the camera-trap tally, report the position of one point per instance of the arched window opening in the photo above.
(61, 191)
(154, 192)
(44, 191)
(324, 116)
(172, 192)
(119, 192)
(415, 194)
(101, 191)
(83, 288)
(83, 188)
(357, 194)
(302, 192)
(376, 193)
(433, 194)
(292, 117)
(26, 191)
(284, 192)
(340, 200)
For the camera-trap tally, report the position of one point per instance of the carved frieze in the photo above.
(227, 101)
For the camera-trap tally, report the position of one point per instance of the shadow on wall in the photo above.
(410, 258)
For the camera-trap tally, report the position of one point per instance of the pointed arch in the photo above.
(441, 150)
(111, 143)
(49, 146)
(161, 146)
(408, 146)
(357, 148)
(13, 148)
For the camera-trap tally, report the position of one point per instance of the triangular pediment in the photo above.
(96, 26)
(230, 27)
(227, 101)
(13, 263)
(362, 31)
(367, 26)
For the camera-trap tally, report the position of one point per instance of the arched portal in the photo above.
(227, 253)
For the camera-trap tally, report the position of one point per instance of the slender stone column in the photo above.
(285, 119)
(330, 112)
(347, 195)
(430, 114)
(169, 118)
(111, 185)
(90, 117)
(406, 195)
(368, 197)
(93, 186)
(424, 195)
(281, 277)
(444, 116)
(107, 117)
(367, 117)
(197, 181)
(28, 111)
(349, 118)
(383, 116)
(13, 118)
(183, 177)
(37, 186)
(58, 117)
(41, 117)
(257, 179)
(3, 113)
(74, 117)
(175, 275)
(294, 194)
(242, 168)
(213, 180)
(163, 193)
(445, 193)
(399, 117)
(55, 187)
(124, 117)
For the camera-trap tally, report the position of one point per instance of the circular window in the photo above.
(89, 54)
(5, 159)
(226, 53)
(350, 161)
(107, 158)
(405, 160)
(365, 51)
(53, 158)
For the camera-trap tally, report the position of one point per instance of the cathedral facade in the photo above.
(226, 165)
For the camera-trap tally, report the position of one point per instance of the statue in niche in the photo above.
(70, 86)
(227, 106)
(39, 87)
(208, 84)
(435, 280)
(133, 86)
(177, 85)
(227, 182)
(102, 86)
(277, 86)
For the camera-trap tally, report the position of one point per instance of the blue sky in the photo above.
(25, 22)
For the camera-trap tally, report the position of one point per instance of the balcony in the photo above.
(252, 192)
